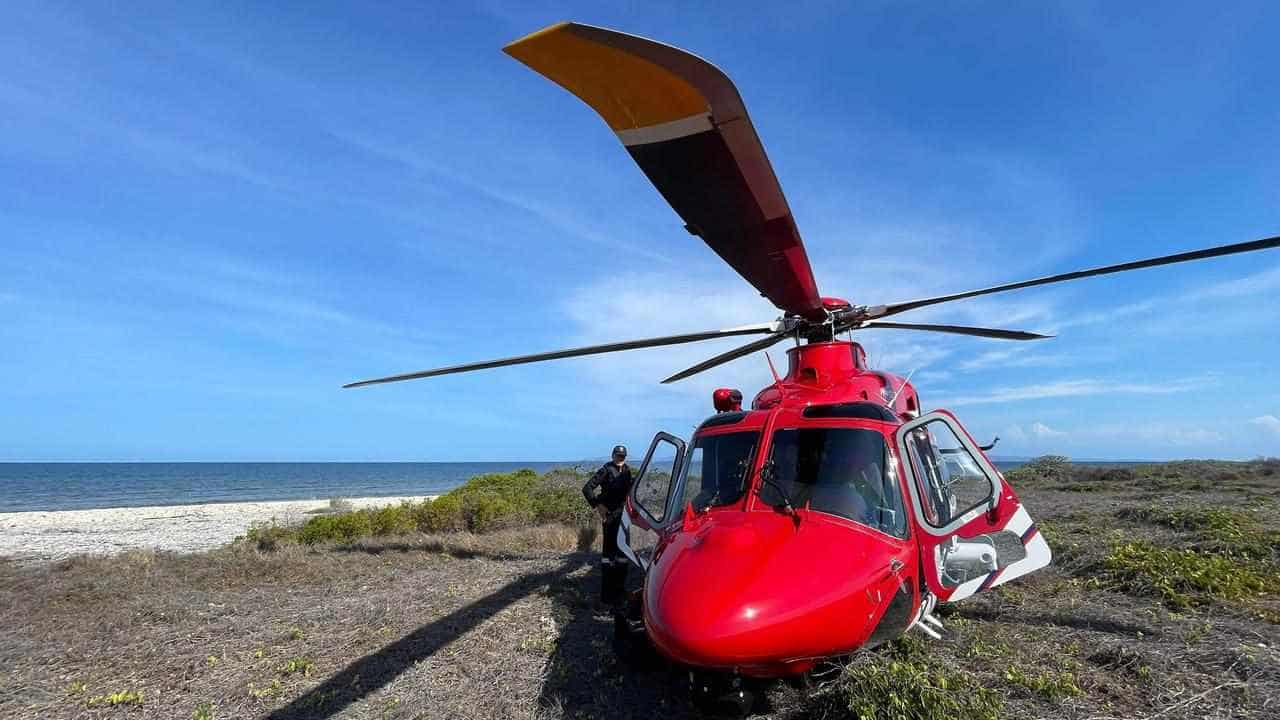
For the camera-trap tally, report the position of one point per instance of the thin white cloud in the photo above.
(1072, 388)
(560, 219)
(1258, 283)
(1042, 431)
(1158, 435)
(638, 305)
(931, 377)
(1015, 356)
(1261, 282)
(1270, 423)
(1014, 433)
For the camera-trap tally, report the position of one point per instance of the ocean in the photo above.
(80, 486)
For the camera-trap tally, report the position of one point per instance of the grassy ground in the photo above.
(1162, 602)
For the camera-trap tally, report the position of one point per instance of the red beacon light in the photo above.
(727, 400)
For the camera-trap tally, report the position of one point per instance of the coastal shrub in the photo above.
(297, 665)
(1048, 684)
(1096, 479)
(1225, 531)
(484, 504)
(268, 537)
(503, 500)
(1046, 468)
(902, 683)
(342, 528)
(124, 697)
(558, 498)
(392, 520)
(1185, 578)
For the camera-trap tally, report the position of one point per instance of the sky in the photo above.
(212, 215)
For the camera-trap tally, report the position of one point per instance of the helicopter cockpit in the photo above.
(840, 471)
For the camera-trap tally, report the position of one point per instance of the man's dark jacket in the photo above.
(609, 487)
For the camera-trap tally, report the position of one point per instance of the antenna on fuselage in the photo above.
(777, 381)
(901, 387)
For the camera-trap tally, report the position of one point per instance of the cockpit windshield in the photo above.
(716, 471)
(841, 471)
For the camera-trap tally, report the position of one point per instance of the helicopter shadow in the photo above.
(591, 674)
(374, 671)
(584, 675)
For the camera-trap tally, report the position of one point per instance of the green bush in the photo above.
(915, 690)
(1221, 530)
(342, 528)
(1046, 468)
(1185, 578)
(497, 501)
(904, 680)
(268, 537)
(393, 520)
(483, 504)
(124, 697)
(1048, 684)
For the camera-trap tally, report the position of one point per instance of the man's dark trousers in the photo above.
(613, 564)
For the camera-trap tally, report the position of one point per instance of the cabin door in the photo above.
(974, 533)
(649, 508)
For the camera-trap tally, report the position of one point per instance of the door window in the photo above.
(717, 469)
(653, 486)
(949, 479)
(976, 534)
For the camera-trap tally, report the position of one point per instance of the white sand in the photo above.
(182, 528)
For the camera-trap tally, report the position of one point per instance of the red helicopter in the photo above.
(831, 515)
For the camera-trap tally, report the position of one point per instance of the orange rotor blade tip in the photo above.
(534, 36)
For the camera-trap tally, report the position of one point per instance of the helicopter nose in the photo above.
(755, 595)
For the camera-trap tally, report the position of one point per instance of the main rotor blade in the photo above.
(885, 310)
(684, 123)
(959, 330)
(734, 354)
(576, 352)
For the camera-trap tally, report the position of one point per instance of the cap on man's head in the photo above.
(619, 451)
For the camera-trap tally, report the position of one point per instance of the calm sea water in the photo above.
(78, 486)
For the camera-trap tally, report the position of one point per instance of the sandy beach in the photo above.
(181, 528)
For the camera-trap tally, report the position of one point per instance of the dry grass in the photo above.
(500, 625)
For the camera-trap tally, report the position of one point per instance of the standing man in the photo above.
(607, 491)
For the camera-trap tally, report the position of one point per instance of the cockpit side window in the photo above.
(717, 469)
(841, 471)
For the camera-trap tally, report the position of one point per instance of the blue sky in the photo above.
(214, 214)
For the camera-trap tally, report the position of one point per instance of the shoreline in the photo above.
(46, 535)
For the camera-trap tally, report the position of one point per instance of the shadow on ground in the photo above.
(589, 676)
(585, 677)
(375, 670)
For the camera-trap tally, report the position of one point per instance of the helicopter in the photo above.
(831, 514)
